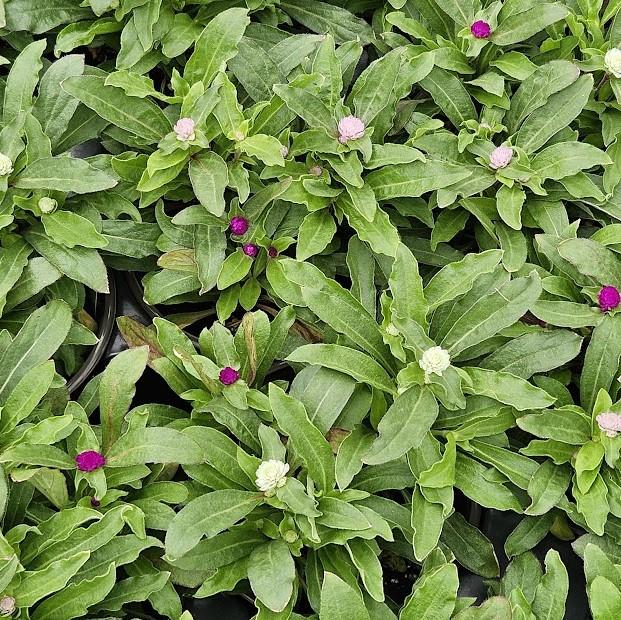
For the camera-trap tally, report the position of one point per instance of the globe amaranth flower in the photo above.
(272, 252)
(7, 605)
(184, 128)
(500, 157)
(47, 205)
(271, 475)
(250, 249)
(612, 62)
(90, 460)
(239, 225)
(480, 29)
(350, 128)
(316, 170)
(284, 151)
(434, 360)
(6, 165)
(608, 298)
(228, 375)
(609, 423)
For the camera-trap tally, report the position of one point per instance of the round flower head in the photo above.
(284, 151)
(239, 225)
(609, 423)
(271, 475)
(7, 605)
(500, 157)
(435, 360)
(250, 249)
(316, 170)
(608, 298)
(350, 128)
(272, 252)
(6, 165)
(480, 29)
(228, 375)
(612, 62)
(184, 128)
(90, 460)
(47, 205)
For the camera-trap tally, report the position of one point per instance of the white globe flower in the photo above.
(6, 165)
(271, 475)
(391, 330)
(435, 360)
(612, 61)
(47, 205)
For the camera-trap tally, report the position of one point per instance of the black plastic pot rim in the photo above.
(106, 327)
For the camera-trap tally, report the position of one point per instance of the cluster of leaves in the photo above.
(410, 320)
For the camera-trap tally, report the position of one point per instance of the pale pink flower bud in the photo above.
(609, 423)
(350, 128)
(500, 157)
(284, 151)
(184, 128)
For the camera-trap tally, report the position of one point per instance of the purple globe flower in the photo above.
(90, 460)
(228, 375)
(609, 298)
(250, 249)
(481, 29)
(239, 225)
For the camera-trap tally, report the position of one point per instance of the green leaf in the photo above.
(415, 179)
(406, 285)
(524, 25)
(153, 445)
(349, 361)
(71, 229)
(38, 339)
(139, 117)
(315, 233)
(308, 442)
(216, 45)
(339, 599)
(450, 95)
(117, 389)
(404, 425)
(271, 572)
(307, 106)
(547, 487)
(552, 590)
(365, 559)
(74, 600)
(78, 263)
(559, 111)
(64, 174)
(433, 596)
(208, 515)
(209, 176)
(509, 201)
(605, 599)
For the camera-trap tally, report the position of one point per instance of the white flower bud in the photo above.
(6, 165)
(47, 205)
(435, 360)
(271, 475)
(612, 61)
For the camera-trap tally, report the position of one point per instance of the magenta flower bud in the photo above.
(480, 29)
(609, 298)
(90, 460)
(609, 423)
(250, 249)
(228, 376)
(500, 157)
(95, 503)
(184, 128)
(272, 252)
(350, 128)
(239, 225)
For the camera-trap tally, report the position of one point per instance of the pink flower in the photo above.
(500, 157)
(184, 128)
(350, 128)
(228, 376)
(609, 298)
(480, 29)
(239, 225)
(316, 170)
(272, 252)
(609, 423)
(250, 249)
(90, 460)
